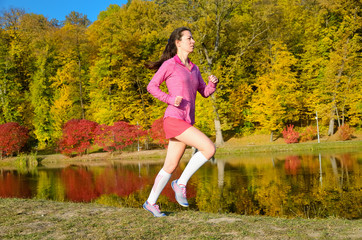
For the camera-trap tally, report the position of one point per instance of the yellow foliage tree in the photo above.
(127, 37)
(275, 101)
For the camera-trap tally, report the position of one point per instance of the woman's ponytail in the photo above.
(170, 49)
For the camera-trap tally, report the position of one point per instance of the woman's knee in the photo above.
(213, 150)
(209, 150)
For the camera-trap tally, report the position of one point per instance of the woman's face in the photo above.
(186, 44)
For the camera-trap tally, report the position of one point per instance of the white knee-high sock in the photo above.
(159, 184)
(195, 163)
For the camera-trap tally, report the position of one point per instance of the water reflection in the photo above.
(310, 186)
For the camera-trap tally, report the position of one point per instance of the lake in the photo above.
(317, 185)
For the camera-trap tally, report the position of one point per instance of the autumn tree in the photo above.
(342, 76)
(278, 63)
(13, 137)
(78, 136)
(208, 20)
(118, 136)
(210, 27)
(126, 37)
(275, 101)
(71, 79)
(16, 66)
(330, 74)
(5, 66)
(40, 31)
(244, 36)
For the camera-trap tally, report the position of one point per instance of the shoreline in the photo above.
(235, 146)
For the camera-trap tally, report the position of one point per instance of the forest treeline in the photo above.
(279, 62)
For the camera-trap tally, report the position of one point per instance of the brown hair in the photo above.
(170, 49)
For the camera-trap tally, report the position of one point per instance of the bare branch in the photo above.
(206, 54)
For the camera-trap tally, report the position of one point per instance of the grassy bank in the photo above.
(39, 219)
(237, 148)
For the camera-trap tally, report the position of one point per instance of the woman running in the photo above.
(183, 80)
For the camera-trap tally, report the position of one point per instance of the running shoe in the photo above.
(154, 209)
(180, 193)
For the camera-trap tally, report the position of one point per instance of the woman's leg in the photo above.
(195, 138)
(174, 153)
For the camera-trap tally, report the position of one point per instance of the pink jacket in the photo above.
(182, 82)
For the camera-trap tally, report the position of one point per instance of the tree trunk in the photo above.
(218, 133)
(271, 136)
(338, 119)
(80, 88)
(139, 85)
(334, 106)
(331, 126)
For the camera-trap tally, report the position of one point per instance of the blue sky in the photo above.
(58, 9)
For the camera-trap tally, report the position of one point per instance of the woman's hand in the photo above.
(178, 101)
(213, 79)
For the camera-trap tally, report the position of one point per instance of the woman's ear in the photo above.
(177, 43)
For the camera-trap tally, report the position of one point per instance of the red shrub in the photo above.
(344, 133)
(157, 133)
(78, 135)
(12, 138)
(118, 136)
(103, 136)
(289, 135)
(309, 134)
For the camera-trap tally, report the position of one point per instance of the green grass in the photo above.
(41, 219)
(299, 147)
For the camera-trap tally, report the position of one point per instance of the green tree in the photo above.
(72, 77)
(15, 67)
(7, 113)
(40, 31)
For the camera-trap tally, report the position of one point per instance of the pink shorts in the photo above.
(174, 127)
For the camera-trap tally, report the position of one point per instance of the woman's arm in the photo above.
(207, 90)
(154, 85)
